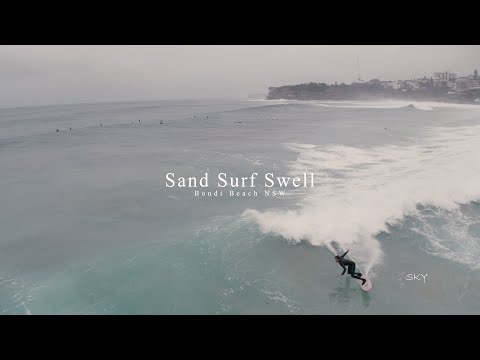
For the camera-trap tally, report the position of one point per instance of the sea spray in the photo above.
(361, 190)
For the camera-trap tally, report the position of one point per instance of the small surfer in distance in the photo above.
(351, 267)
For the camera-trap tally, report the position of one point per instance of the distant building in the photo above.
(444, 76)
(423, 82)
(444, 79)
(407, 85)
(467, 83)
(400, 85)
(462, 83)
(475, 84)
(388, 84)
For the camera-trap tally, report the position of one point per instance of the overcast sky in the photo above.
(36, 75)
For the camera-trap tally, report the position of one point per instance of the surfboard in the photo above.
(368, 284)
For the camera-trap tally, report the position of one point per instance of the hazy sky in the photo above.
(35, 75)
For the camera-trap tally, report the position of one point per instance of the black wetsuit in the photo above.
(351, 267)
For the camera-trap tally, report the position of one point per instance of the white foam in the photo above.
(359, 190)
(450, 238)
(395, 104)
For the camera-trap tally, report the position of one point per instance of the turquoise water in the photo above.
(88, 225)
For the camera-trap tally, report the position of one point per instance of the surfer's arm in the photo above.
(344, 268)
(341, 257)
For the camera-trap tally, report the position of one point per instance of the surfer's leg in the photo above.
(351, 269)
(359, 277)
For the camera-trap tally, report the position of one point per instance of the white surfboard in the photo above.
(368, 284)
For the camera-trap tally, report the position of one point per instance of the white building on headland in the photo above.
(445, 76)
(388, 84)
(407, 85)
(444, 79)
(424, 82)
(467, 83)
(462, 83)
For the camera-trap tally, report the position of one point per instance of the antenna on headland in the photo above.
(358, 69)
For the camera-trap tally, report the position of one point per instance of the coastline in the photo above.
(373, 92)
(376, 99)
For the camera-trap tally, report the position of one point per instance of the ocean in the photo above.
(89, 223)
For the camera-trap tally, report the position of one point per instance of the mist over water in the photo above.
(88, 225)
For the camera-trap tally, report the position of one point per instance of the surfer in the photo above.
(351, 267)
